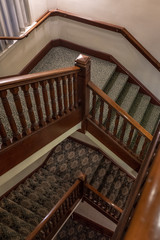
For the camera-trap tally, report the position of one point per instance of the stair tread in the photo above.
(151, 118)
(20, 211)
(15, 223)
(128, 96)
(115, 86)
(76, 230)
(8, 233)
(139, 107)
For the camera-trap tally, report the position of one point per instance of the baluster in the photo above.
(25, 130)
(116, 124)
(130, 136)
(93, 112)
(137, 142)
(8, 111)
(59, 94)
(108, 121)
(38, 104)
(53, 98)
(46, 101)
(123, 130)
(101, 113)
(143, 151)
(5, 140)
(75, 85)
(70, 92)
(25, 89)
(64, 81)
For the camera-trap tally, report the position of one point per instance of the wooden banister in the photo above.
(19, 80)
(99, 24)
(145, 221)
(101, 203)
(122, 112)
(66, 204)
(137, 187)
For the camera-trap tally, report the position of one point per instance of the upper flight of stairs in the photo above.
(105, 75)
(28, 203)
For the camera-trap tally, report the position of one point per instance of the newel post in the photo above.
(84, 75)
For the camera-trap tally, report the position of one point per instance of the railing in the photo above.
(53, 221)
(103, 25)
(146, 177)
(31, 105)
(101, 203)
(118, 125)
(80, 190)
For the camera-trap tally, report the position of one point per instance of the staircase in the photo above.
(79, 229)
(28, 203)
(115, 84)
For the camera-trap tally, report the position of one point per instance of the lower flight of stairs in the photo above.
(26, 205)
(79, 230)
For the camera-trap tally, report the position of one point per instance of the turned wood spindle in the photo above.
(34, 125)
(59, 95)
(8, 111)
(70, 89)
(25, 129)
(101, 113)
(38, 103)
(64, 81)
(93, 112)
(53, 98)
(46, 101)
(5, 140)
(75, 86)
(108, 121)
(116, 124)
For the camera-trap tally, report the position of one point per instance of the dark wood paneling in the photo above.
(17, 152)
(113, 145)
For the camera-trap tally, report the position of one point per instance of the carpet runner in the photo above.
(26, 205)
(74, 230)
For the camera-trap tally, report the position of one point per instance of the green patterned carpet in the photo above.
(25, 206)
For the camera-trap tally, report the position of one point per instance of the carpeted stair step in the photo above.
(20, 226)
(113, 89)
(6, 233)
(74, 230)
(151, 118)
(70, 158)
(125, 101)
(20, 211)
(112, 182)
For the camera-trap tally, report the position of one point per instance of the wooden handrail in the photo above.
(99, 24)
(137, 187)
(123, 113)
(54, 209)
(103, 197)
(9, 82)
(145, 221)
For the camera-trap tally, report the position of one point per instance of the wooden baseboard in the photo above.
(101, 55)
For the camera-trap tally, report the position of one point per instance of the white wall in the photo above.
(140, 17)
(114, 44)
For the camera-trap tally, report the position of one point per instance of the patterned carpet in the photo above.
(30, 202)
(73, 230)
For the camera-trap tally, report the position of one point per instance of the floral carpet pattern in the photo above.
(73, 230)
(26, 205)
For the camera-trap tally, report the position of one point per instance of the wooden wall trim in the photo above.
(98, 54)
(103, 25)
(22, 149)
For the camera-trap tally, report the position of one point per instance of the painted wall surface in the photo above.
(141, 18)
(114, 44)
